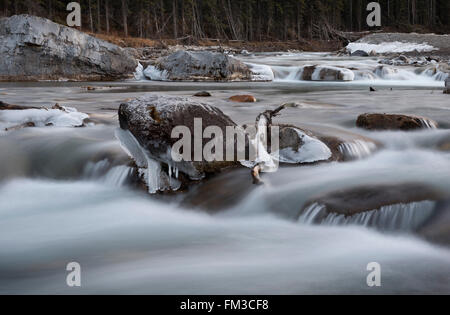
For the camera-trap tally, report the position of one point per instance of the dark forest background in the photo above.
(248, 20)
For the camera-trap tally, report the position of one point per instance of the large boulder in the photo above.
(394, 122)
(34, 48)
(326, 73)
(199, 66)
(146, 126)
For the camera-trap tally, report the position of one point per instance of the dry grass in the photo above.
(311, 45)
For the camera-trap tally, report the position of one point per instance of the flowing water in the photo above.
(68, 194)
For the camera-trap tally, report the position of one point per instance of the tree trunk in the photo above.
(175, 13)
(125, 17)
(99, 27)
(107, 15)
(91, 21)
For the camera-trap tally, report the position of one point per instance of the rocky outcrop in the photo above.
(33, 48)
(326, 73)
(198, 66)
(394, 122)
(146, 126)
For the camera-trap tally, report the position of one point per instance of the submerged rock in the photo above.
(389, 207)
(34, 48)
(326, 73)
(146, 126)
(394, 122)
(359, 53)
(437, 227)
(203, 94)
(198, 66)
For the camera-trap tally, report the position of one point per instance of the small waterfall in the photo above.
(357, 149)
(94, 170)
(398, 217)
(118, 175)
(104, 172)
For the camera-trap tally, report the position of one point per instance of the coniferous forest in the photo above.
(245, 20)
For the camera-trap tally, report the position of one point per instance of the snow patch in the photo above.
(389, 47)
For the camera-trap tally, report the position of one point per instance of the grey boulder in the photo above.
(199, 66)
(34, 48)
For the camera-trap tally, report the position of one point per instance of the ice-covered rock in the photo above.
(297, 147)
(34, 48)
(198, 66)
(146, 126)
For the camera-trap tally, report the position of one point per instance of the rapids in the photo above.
(68, 194)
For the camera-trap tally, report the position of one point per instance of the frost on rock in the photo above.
(64, 117)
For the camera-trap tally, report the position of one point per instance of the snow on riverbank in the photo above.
(390, 47)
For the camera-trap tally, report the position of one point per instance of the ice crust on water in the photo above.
(390, 47)
(68, 117)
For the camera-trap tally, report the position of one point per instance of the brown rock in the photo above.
(394, 122)
(243, 99)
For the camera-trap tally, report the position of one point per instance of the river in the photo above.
(67, 195)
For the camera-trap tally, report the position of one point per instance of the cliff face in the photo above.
(33, 48)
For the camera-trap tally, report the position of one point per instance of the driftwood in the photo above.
(268, 115)
(5, 106)
(21, 126)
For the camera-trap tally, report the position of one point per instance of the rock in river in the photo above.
(146, 130)
(394, 122)
(34, 48)
(198, 66)
(387, 207)
(326, 73)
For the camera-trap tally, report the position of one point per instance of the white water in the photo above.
(66, 196)
(399, 217)
(129, 244)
